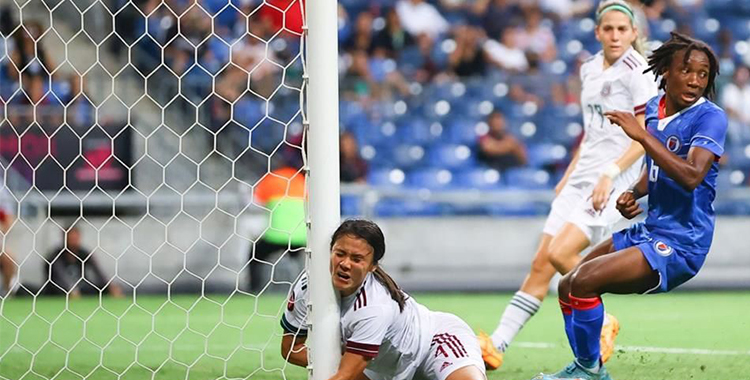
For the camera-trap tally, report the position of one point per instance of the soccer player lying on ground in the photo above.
(388, 334)
(683, 142)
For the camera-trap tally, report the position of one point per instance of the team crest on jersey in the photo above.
(662, 248)
(606, 89)
(673, 143)
(445, 365)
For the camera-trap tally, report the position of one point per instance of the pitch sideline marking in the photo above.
(661, 350)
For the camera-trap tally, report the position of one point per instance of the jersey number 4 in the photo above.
(653, 173)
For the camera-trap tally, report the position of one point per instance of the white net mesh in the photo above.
(162, 135)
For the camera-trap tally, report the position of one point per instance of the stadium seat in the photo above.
(477, 178)
(546, 154)
(451, 156)
(386, 177)
(431, 178)
(527, 178)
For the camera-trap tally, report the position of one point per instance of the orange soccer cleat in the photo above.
(492, 357)
(607, 340)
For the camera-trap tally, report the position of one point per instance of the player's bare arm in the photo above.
(602, 191)
(352, 367)
(689, 173)
(293, 349)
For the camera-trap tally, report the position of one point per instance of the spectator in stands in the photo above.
(74, 270)
(736, 100)
(536, 37)
(418, 17)
(498, 148)
(362, 36)
(393, 38)
(499, 15)
(467, 59)
(353, 168)
(506, 54)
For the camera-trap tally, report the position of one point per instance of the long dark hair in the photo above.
(661, 59)
(373, 235)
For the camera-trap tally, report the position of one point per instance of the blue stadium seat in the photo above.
(477, 178)
(431, 178)
(462, 130)
(386, 177)
(399, 208)
(546, 154)
(452, 156)
(409, 156)
(527, 178)
(351, 205)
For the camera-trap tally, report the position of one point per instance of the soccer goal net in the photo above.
(154, 156)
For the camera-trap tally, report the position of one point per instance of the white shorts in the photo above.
(573, 205)
(454, 346)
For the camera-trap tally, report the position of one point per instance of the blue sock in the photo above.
(567, 313)
(588, 316)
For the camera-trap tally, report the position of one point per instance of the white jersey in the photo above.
(621, 87)
(373, 326)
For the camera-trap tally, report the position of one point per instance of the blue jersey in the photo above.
(685, 218)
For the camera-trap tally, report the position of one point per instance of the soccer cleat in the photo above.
(492, 357)
(607, 340)
(577, 372)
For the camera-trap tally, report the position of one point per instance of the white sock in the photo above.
(521, 308)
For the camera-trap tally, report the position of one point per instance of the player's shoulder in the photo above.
(372, 297)
(591, 63)
(652, 106)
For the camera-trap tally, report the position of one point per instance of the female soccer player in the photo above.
(388, 335)
(683, 141)
(604, 166)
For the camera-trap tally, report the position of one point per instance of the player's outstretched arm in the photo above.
(293, 349)
(689, 173)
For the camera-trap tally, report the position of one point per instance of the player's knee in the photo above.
(582, 281)
(563, 287)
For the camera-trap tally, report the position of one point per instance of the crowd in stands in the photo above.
(425, 84)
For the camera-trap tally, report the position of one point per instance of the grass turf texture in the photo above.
(238, 337)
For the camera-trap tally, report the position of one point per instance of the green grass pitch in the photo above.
(691, 336)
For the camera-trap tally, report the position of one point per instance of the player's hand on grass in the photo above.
(627, 122)
(75, 294)
(601, 193)
(628, 206)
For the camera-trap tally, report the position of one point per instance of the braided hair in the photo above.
(661, 59)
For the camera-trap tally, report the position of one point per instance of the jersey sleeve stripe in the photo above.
(366, 350)
(628, 64)
(640, 110)
(290, 328)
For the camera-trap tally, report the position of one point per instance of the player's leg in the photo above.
(454, 351)
(563, 289)
(524, 304)
(622, 272)
(566, 247)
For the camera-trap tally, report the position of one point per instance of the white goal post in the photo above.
(324, 203)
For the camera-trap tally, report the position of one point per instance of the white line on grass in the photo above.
(661, 350)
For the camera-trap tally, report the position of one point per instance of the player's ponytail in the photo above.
(620, 5)
(371, 233)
